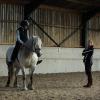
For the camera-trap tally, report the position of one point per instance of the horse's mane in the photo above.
(28, 43)
(32, 41)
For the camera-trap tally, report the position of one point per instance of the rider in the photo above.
(21, 37)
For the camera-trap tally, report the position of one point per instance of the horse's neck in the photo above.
(26, 52)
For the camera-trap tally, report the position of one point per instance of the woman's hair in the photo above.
(90, 42)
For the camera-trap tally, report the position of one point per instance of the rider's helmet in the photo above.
(24, 24)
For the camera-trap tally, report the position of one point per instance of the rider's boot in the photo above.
(39, 61)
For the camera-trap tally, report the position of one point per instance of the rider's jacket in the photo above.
(22, 35)
(88, 53)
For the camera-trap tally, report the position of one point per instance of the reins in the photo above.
(28, 48)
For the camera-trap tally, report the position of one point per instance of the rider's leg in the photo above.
(15, 52)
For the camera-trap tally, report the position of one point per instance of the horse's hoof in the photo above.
(17, 86)
(7, 85)
(24, 89)
(30, 87)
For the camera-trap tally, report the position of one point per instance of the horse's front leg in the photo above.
(31, 70)
(16, 73)
(24, 79)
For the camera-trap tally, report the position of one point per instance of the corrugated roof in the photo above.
(80, 5)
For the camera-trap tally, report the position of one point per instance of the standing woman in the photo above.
(88, 62)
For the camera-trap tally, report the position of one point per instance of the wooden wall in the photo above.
(94, 30)
(10, 16)
(57, 22)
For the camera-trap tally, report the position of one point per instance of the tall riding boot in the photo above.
(15, 52)
(89, 80)
(89, 84)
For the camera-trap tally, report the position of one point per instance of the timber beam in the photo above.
(85, 18)
(28, 8)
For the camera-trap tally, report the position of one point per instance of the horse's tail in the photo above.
(8, 54)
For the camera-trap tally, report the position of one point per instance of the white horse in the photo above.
(27, 58)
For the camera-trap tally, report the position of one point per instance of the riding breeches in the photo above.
(88, 72)
(15, 51)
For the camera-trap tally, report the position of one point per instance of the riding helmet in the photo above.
(24, 23)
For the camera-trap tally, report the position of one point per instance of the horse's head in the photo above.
(36, 45)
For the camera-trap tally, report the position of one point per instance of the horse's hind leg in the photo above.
(9, 75)
(8, 81)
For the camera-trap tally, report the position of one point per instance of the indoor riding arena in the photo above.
(64, 26)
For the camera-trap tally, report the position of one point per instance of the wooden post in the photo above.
(85, 18)
(84, 33)
(28, 8)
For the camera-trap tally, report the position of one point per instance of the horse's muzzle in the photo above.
(39, 53)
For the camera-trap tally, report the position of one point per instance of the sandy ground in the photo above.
(54, 87)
